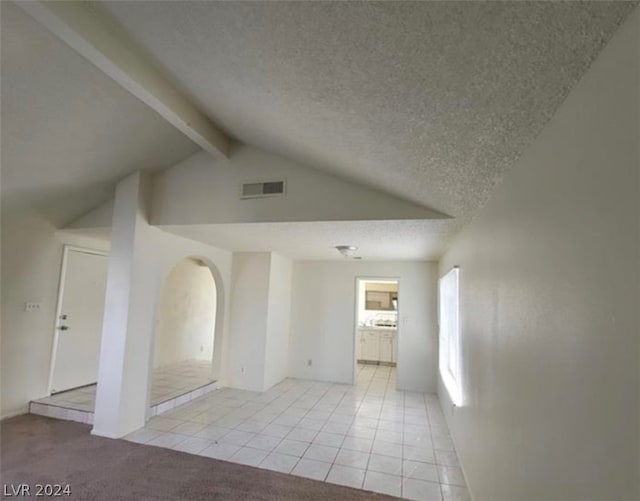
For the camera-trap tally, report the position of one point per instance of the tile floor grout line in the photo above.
(307, 448)
(372, 395)
(366, 470)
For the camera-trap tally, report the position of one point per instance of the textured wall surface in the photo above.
(549, 275)
(186, 315)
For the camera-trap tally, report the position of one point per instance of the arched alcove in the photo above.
(189, 314)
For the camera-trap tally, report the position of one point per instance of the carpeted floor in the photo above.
(39, 450)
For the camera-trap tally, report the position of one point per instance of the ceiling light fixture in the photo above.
(346, 250)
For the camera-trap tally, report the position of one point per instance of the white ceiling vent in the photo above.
(260, 189)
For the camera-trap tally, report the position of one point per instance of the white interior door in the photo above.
(79, 326)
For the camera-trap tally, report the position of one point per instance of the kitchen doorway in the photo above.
(376, 326)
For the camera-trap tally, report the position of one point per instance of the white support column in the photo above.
(123, 375)
(259, 320)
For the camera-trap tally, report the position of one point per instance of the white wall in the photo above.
(187, 315)
(549, 275)
(323, 320)
(214, 193)
(248, 319)
(259, 320)
(278, 321)
(31, 259)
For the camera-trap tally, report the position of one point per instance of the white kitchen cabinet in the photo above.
(394, 357)
(361, 339)
(377, 345)
(371, 346)
(386, 347)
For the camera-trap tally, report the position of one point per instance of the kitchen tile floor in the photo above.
(168, 382)
(368, 436)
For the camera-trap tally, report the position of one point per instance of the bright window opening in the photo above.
(450, 335)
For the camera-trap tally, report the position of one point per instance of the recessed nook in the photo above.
(185, 332)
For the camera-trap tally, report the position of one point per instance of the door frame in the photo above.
(66, 248)
(370, 278)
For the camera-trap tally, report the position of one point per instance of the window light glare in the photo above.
(450, 363)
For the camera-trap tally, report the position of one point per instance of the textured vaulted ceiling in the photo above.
(431, 101)
(428, 101)
(69, 133)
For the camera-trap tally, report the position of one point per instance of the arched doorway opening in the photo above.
(185, 332)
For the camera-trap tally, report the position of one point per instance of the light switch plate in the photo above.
(32, 306)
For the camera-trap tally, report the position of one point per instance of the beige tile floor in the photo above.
(168, 382)
(368, 436)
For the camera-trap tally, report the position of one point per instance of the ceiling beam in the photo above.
(81, 26)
